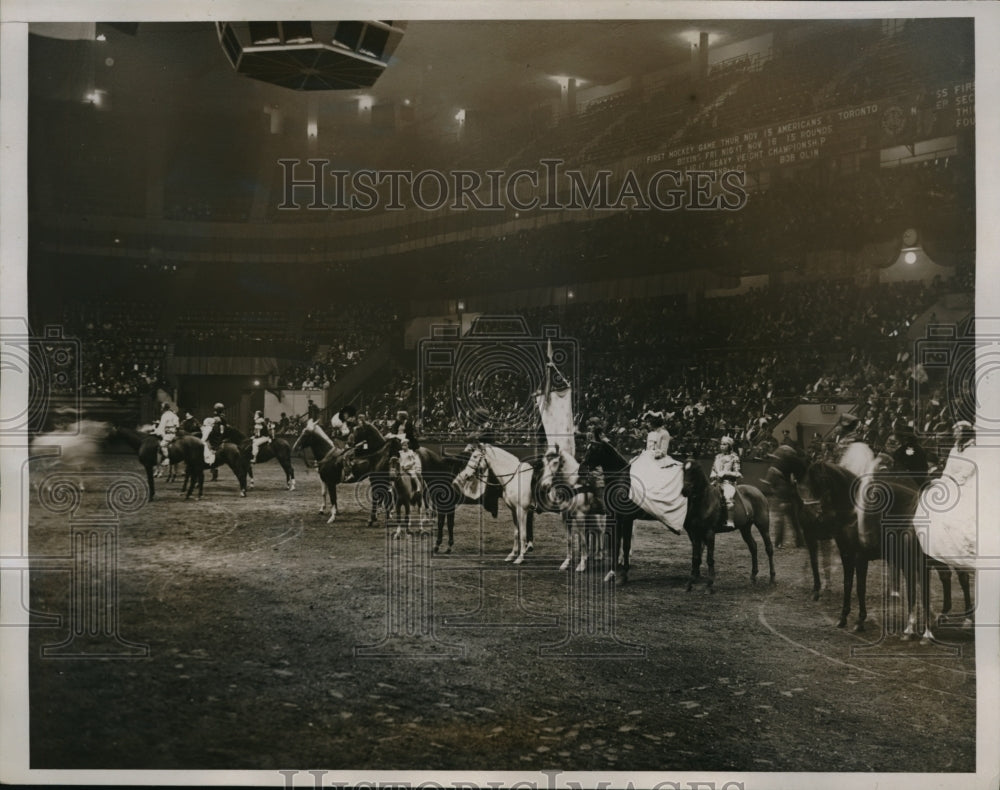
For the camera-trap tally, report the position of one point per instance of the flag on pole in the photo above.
(556, 408)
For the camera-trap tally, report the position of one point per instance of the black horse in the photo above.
(275, 449)
(868, 518)
(614, 469)
(706, 514)
(441, 494)
(367, 458)
(147, 448)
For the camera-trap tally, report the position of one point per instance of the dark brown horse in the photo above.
(367, 459)
(406, 494)
(147, 448)
(868, 517)
(615, 501)
(276, 449)
(706, 514)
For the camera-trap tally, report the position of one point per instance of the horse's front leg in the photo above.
(752, 545)
(568, 524)
(861, 569)
(520, 535)
(812, 546)
(847, 559)
(626, 544)
(695, 562)
(332, 491)
(710, 558)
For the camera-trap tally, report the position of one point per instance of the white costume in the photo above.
(166, 429)
(260, 435)
(409, 462)
(952, 506)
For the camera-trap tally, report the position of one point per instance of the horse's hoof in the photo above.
(565, 565)
(753, 580)
(842, 623)
(894, 594)
(448, 550)
(859, 628)
(907, 637)
(510, 557)
(372, 523)
(609, 577)
(243, 493)
(581, 567)
(519, 559)
(437, 548)
(816, 597)
(531, 547)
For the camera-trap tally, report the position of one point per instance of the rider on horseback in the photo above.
(409, 462)
(263, 432)
(726, 472)
(658, 438)
(166, 429)
(845, 433)
(343, 422)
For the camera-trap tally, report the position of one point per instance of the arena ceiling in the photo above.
(173, 69)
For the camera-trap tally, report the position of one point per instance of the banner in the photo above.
(556, 409)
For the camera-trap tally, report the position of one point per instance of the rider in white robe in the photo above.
(953, 514)
(166, 429)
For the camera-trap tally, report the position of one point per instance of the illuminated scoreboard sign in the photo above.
(899, 120)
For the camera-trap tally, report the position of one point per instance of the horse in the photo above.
(559, 488)
(275, 449)
(706, 512)
(75, 448)
(617, 503)
(334, 459)
(516, 478)
(406, 494)
(191, 451)
(441, 495)
(147, 448)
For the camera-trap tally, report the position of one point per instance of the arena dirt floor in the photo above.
(262, 638)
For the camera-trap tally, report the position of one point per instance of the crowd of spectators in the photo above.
(731, 366)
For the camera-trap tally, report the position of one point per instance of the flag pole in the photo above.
(548, 373)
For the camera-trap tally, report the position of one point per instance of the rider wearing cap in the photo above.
(403, 426)
(726, 472)
(845, 433)
(219, 425)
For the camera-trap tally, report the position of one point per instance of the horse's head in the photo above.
(393, 444)
(600, 453)
(695, 479)
(826, 492)
(474, 467)
(395, 468)
(559, 475)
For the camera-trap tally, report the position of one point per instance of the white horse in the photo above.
(558, 490)
(515, 478)
(74, 448)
